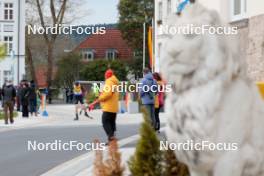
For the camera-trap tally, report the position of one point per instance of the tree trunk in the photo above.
(50, 71)
(50, 65)
(30, 62)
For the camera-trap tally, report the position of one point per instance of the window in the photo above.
(160, 12)
(168, 7)
(238, 9)
(8, 40)
(8, 11)
(111, 54)
(88, 55)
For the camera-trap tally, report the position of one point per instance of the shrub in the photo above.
(112, 165)
(147, 160)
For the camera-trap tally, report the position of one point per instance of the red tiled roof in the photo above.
(112, 39)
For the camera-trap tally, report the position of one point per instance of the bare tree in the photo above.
(50, 13)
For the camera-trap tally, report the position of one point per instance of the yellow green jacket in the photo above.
(109, 96)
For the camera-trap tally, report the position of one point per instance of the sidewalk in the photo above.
(20, 122)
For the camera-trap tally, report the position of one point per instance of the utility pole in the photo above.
(144, 45)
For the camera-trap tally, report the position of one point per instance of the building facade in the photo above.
(12, 34)
(247, 15)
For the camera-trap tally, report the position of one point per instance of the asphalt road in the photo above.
(16, 160)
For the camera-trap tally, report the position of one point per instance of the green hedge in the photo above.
(95, 70)
(2, 114)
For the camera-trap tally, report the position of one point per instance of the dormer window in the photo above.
(111, 54)
(88, 55)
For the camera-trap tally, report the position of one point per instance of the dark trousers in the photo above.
(9, 106)
(157, 119)
(151, 112)
(25, 111)
(109, 124)
(33, 106)
(18, 104)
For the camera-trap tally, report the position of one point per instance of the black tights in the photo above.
(109, 124)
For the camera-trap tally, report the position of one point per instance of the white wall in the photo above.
(255, 7)
(8, 62)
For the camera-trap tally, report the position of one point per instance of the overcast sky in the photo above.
(100, 11)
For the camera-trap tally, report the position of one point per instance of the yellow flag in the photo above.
(150, 47)
(2, 51)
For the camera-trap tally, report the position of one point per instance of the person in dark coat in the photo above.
(32, 98)
(9, 95)
(25, 99)
(19, 88)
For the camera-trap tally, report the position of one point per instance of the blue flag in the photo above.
(182, 6)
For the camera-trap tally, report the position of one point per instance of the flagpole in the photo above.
(144, 45)
(153, 47)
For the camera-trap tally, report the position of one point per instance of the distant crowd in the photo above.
(24, 98)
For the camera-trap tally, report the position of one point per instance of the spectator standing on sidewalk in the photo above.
(19, 89)
(159, 100)
(9, 96)
(109, 104)
(148, 91)
(25, 99)
(32, 98)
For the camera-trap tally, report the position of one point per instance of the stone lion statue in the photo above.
(212, 99)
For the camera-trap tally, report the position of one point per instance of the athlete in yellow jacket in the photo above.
(109, 104)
